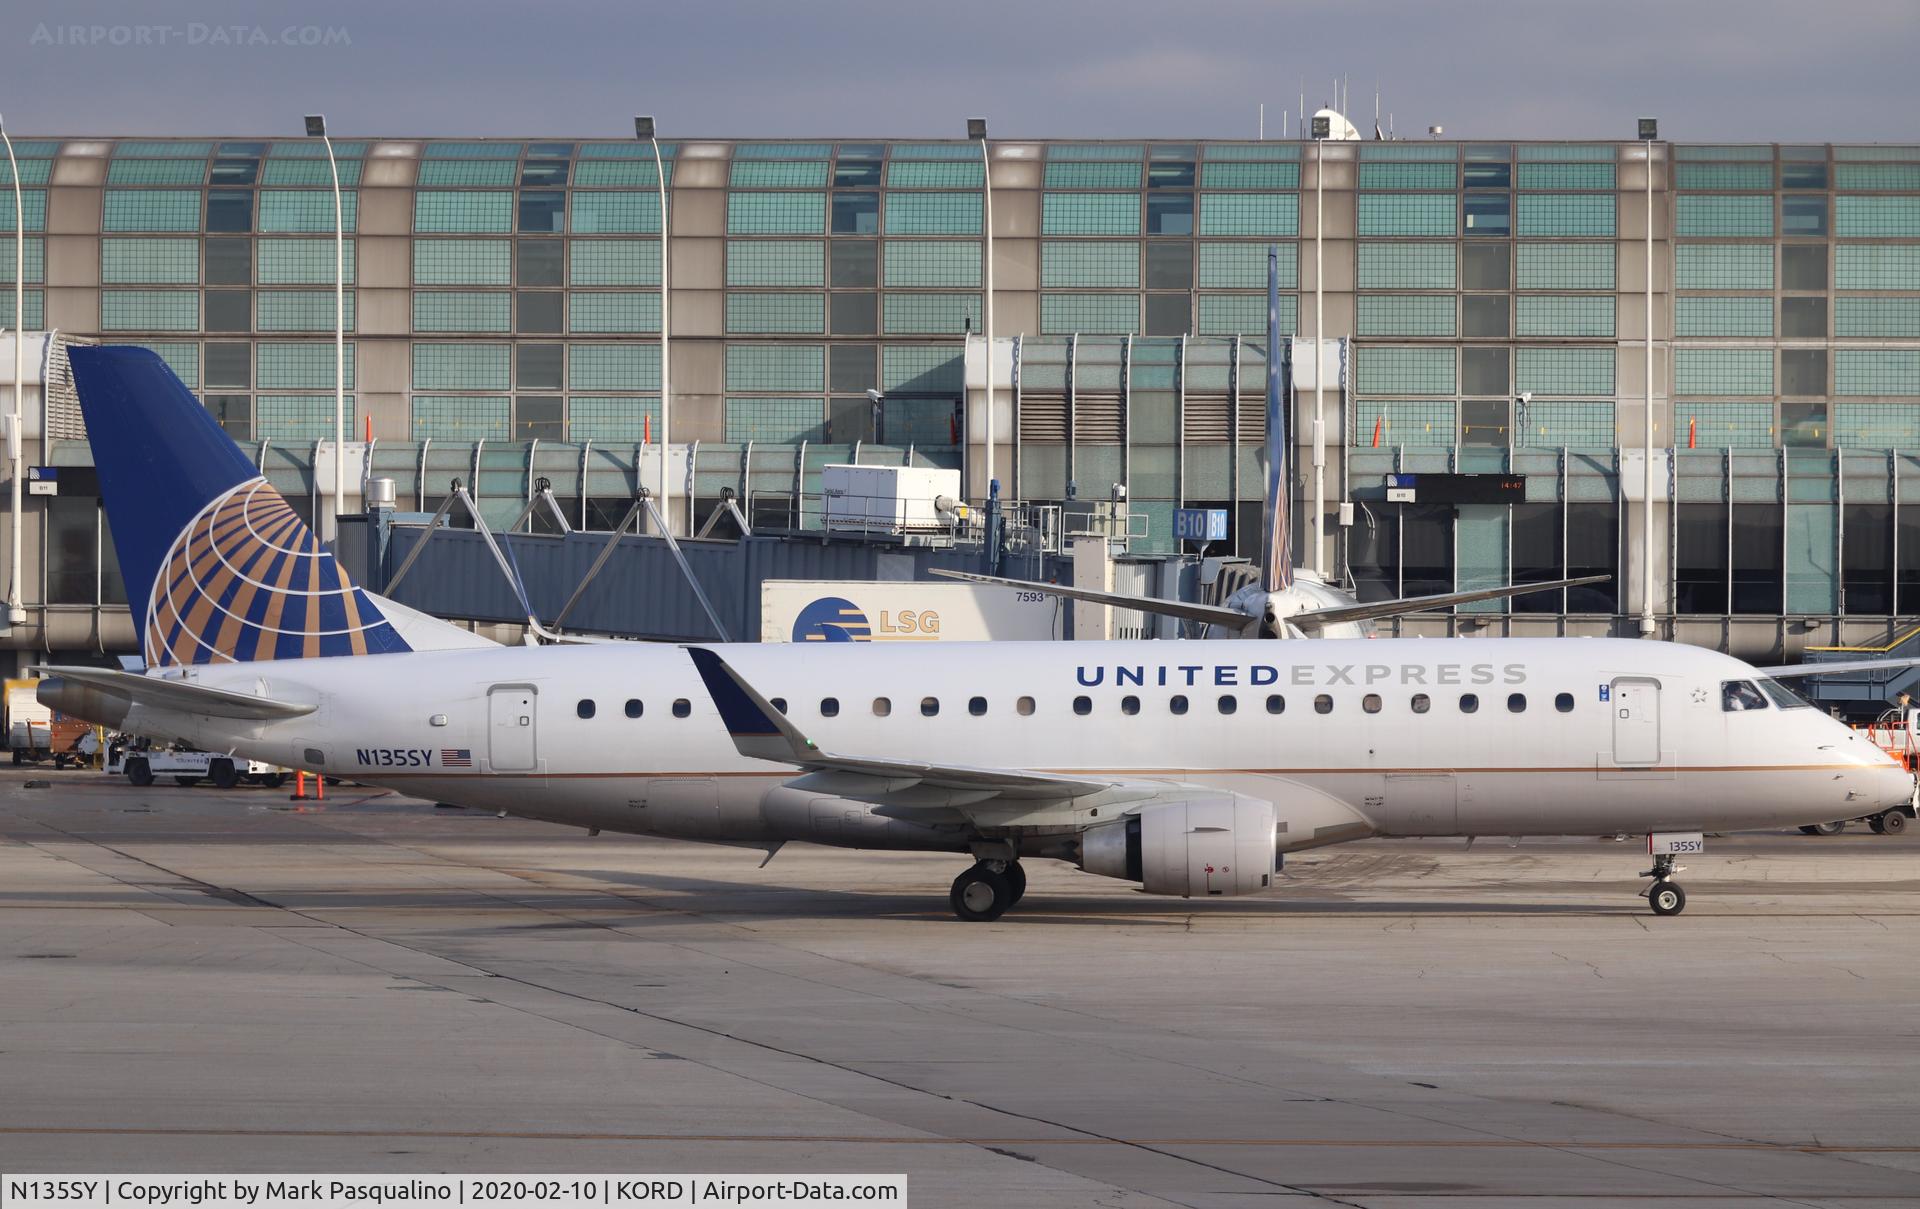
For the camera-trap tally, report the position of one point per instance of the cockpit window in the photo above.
(1783, 696)
(1738, 695)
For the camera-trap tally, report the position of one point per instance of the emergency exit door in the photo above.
(1636, 720)
(511, 715)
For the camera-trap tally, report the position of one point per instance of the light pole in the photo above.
(1649, 131)
(16, 606)
(317, 129)
(643, 129)
(1322, 128)
(977, 131)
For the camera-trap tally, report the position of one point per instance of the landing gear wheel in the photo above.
(223, 774)
(1892, 823)
(1667, 898)
(1829, 828)
(1809, 829)
(980, 895)
(1016, 881)
(272, 780)
(140, 773)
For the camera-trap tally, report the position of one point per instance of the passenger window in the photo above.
(682, 707)
(1083, 706)
(829, 707)
(1422, 703)
(1323, 704)
(1129, 705)
(1563, 702)
(1177, 704)
(584, 709)
(634, 708)
(929, 706)
(1229, 703)
(1516, 703)
(1276, 704)
(1469, 703)
(779, 703)
(1370, 703)
(882, 707)
(977, 706)
(1739, 695)
(1024, 707)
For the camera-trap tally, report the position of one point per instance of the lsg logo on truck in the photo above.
(837, 619)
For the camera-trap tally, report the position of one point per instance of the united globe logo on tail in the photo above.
(246, 580)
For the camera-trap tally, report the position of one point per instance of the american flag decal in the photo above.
(456, 757)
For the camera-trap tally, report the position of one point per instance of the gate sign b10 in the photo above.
(1200, 524)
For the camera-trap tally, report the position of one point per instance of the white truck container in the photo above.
(890, 500)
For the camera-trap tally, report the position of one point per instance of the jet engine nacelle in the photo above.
(1222, 844)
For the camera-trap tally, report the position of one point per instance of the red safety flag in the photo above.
(1376, 431)
(1691, 422)
(646, 430)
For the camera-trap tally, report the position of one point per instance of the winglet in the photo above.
(758, 729)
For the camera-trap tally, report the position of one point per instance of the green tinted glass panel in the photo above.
(1564, 371)
(142, 261)
(1564, 214)
(309, 172)
(933, 214)
(182, 357)
(36, 303)
(1090, 264)
(156, 172)
(1404, 371)
(299, 310)
(1724, 176)
(1877, 176)
(776, 367)
(36, 259)
(1238, 314)
(930, 314)
(926, 151)
(1407, 266)
(1751, 152)
(1404, 315)
(1110, 314)
(1565, 176)
(627, 212)
(618, 173)
(306, 365)
(1556, 423)
(778, 174)
(775, 213)
(314, 149)
(776, 262)
(302, 261)
(924, 175)
(1090, 214)
(777, 421)
(461, 418)
(1092, 176)
(1253, 151)
(1243, 266)
(1723, 371)
(462, 311)
(1408, 176)
(1560, 152)
(1876, 425)
(782, 151)
(614, 261)
(612, 420)
(1562, 315)
(924, 262)
(1876, 266)
(473, 150)
(1876, 216)
(1410, 151)
(1217, 175)
(1723, 317)
(1564, 266)
(1249, 214)
(613, 367)
(920, 368)
(462, 262)
(1096, 151)
(464, 366)
(1723, 266)
(435, 173)
(1411, 423)
(298, 417)
(152, 210)
(300, 211)
(1707, 214)
(1725, 425)
(1407, 213)
(614, 311)
(146, 310)
(751, 313)
(1897, 318)
(1876, 371)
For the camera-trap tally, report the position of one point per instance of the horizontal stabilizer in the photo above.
(177, 696)
(1232, 619)
(1316, 618)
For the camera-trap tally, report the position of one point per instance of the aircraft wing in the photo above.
(1233, 619)
(1789, 671)
(179, 696)
(762, 732)
(1316, 618)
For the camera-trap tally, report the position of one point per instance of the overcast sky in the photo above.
(1710, 69)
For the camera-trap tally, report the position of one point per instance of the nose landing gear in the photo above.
(1665, 895)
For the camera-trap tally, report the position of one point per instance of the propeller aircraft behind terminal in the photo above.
(1188, 770)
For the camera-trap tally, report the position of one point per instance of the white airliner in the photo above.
(1187, 768)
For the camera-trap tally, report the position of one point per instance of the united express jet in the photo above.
(1187, 768)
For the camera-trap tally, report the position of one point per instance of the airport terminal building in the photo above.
(1491, 299)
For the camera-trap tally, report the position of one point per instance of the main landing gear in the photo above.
(1665, 895)
(984, 892)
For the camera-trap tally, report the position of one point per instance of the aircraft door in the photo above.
(512, 710)
(1635, 701)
